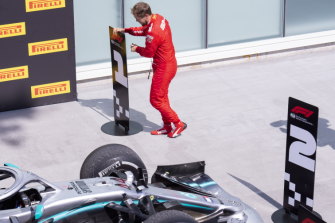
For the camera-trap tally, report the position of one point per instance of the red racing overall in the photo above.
(159, 46)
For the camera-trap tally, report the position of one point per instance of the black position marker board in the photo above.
(307, 216)
(120, 79)
(122, 124)
(302, 124)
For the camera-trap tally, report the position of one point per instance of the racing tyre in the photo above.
(170, 216)
(103, 160)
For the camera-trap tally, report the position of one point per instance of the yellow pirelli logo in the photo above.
(13, 29)
(14, 73)
(50, 46)
(38, 5)
(45, 90)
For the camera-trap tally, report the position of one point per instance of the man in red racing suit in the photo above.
(159, 46)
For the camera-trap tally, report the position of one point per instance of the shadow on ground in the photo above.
(326, 135)
(9, 129)
(258, 192)
(105, 107)
(279, 216)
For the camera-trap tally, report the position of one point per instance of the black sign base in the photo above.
(111, 128)
(305, 216)
(283, 216)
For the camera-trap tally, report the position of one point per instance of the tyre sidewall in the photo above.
(111, 157)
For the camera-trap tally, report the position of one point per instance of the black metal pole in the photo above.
(122, 14)
(284, 19)
(206, 24)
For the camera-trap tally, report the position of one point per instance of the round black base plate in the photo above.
(111, 128)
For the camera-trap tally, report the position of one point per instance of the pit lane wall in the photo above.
(37, 55)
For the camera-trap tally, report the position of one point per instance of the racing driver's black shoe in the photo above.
(179, 127)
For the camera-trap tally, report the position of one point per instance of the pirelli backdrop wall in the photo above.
(37, 56)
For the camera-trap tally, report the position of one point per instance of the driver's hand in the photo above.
(133, 47)
(116, 30)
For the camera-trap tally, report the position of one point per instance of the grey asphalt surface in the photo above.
(236, 114)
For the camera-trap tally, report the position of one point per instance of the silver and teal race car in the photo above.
(113, 187)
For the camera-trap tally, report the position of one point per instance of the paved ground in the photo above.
(237, 119)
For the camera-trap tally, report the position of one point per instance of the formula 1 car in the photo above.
(113, 187)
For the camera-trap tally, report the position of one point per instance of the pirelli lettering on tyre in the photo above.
(13, 29)
(38, 5)
(45, 90)
(14, 73)
(50, 46)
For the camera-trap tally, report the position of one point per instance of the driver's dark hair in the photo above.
(140, 9)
